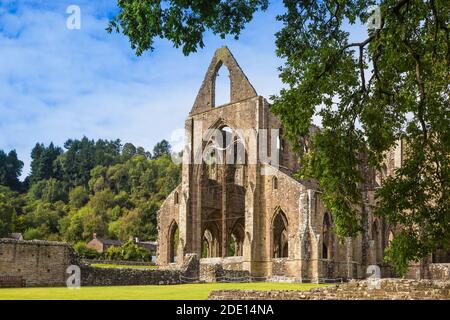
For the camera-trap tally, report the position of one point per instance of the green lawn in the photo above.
(104, 265)
(167, 292)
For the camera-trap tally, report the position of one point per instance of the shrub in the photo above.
(129, 251)
(113, 253)
(85, 252)
(132, 252)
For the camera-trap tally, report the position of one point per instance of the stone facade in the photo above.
(389, 289)
(255, 208)
(222, 270)
(37, 263)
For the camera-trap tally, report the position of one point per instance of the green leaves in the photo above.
(391, 86)
(181, 22)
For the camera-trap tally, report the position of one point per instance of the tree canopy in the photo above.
(10, 170)
(90, 187)
(369, 94)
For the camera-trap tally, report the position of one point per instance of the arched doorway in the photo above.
(211, 241)
(280, 243)
(236, 240)
(174, 238)
(327, 237)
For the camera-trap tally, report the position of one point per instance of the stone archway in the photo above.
(237, 236)
(280, 240)
(173, 241)
(211, 241)
(327, 237)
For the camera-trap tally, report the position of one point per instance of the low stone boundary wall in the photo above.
(439, 271)
(45, 263)
(119, 262)
(94, 276)
(222, 269)
(36, 263)
(389, 289)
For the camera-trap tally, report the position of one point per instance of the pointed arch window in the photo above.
(280, 236)
(222, 86)
(274, 183)
(327, 237)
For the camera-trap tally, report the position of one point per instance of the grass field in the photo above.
(169, 292)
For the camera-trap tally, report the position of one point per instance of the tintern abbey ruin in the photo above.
(252, 214)
(241, 214)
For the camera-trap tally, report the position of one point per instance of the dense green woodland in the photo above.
(88, 186)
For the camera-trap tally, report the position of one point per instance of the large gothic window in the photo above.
(280, 235)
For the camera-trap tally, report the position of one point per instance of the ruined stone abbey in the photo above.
(252, 214)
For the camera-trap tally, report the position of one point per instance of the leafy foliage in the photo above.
(10, 170)
(182, 22)
(92, 187)
(129, 251)
(84, 252)
(404, 98)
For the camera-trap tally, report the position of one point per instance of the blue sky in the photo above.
(57, 83)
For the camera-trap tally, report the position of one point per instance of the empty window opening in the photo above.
(222, 92)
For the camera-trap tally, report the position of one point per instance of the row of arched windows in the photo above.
(280, 239)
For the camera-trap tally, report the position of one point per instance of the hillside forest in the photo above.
(86, 187)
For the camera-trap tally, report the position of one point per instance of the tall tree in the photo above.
(161, 148)
(83, 155)
(7, 213)
(42, 162)
(369, 94)
(10, 170)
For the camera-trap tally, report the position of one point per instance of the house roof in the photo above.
(149, 245)
(110, 242)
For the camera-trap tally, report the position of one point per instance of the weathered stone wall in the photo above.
(167, 217)
(439, 271)
(38, 263)
(44, 264)
(222, 269)
(241, 88)
(390, 289)
(94, 276)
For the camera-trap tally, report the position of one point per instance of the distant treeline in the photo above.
(88, 186)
